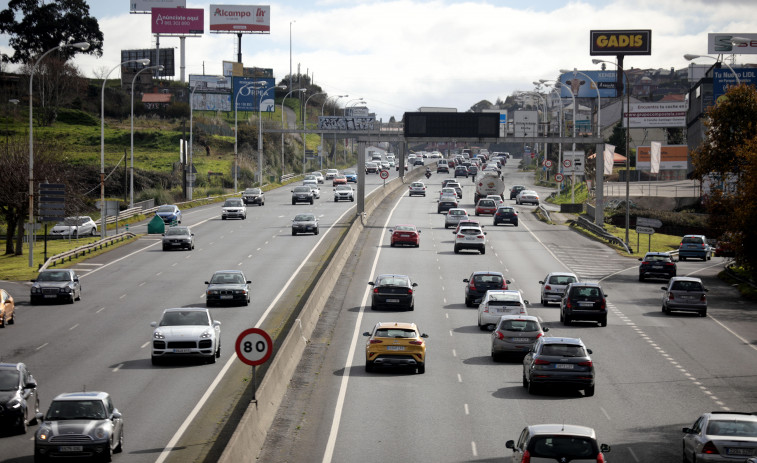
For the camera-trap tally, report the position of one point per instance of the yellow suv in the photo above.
(395, 344)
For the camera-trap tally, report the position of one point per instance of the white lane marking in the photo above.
(465, 407)
(605, 413)
(158, 274)
(450, 332)
(142, 284)
(43, 345)
(473, 448)
(73, 327)
(459, 378)
(118, 367)
(122, 296)
(331, 442)
(733, 333)
(100, 309)
(249, 256)
(454, 353)
(633, 455)
(144, 345)
(258, 249)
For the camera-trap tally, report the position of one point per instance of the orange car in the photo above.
(339, 180)
(7, 309)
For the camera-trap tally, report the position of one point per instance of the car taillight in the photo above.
(702, 245)
(471, 286)
(681, 244)
(710, 449)
(480, 237)
(499, 335)
(460, 236)
(410, 291)
(376, 341)
(585, 364)
(568, 305)
(602, 306)
(504, 285)
(669, 264)
(541, 362)
(547, 287)
(526, 457)
(600, 458)
(703, 298)
(416, 343)
(643, 262)
(671, 296)
(375, 290)
(539, 335)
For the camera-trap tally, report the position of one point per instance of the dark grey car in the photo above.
(19, 402)
(559, 362)
(227, 287)
(253, 196)
(302, 194)
(178, 238)
(305, 223)
(56, 285)
(686, 294)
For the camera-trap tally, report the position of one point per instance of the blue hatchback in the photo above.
(169, 213)
(694, 246)
(351, 176)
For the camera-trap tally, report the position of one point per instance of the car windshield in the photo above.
(227, 279)
(76, 410)
(458, 212)
(177, 231)
(252, 191)
(563, 448)
(349, 172)
(166, 209)
(54, 275)
(304, 218)
(393, 281)
(8, 380)
(395, 333)
(732, 428)
(563, 350)
(561, 280)
(302, 189)
(525, 326)
(343, 188)
(232, 203)
(185, 318)
(686, 286)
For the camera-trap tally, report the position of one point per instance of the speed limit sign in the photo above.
(384, 174)
(567, 163)
(547, 163)
(558, 178)
(254, 346)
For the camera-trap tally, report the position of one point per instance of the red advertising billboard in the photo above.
(240, 18)
(178, 21)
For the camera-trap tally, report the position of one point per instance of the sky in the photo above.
(404, 54)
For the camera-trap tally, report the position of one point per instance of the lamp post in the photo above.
(344, 114)
(689, 57)
(260, 132)
(599, 98)
(131, 168)
(628, 136)
(323, 106)
(291, 85)
(543, 112)
(257, 84)
(80, 46)
(282, 124)
(304, 128)
(103, 210)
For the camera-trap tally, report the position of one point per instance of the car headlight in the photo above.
(101, 433)
(212, 291)
(66, 289)
(206, 334)
(14, 403)
(36, 290)
(158, 335)
(44, 434)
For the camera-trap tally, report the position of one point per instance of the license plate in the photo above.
(392, 300)
(51, 296)
(395, 347)
(521, 340)
(742, 452)
(181, 351)
(586, 304)
(71, 448)
(470, 238)
(564, 366)
(175, 244)
(226, 296)
(686, 298)
(657, 266)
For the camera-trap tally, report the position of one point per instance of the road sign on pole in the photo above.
(645, 230)
(384, 174)
(254, 346)
(558, 178)
(547, 163)
(647, 222)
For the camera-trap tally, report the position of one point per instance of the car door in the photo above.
(690, 440)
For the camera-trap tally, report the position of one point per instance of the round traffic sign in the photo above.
(547, 163)
(558, 178)
(533, 155)
(254, 346)
(384, 174)
(567, 163)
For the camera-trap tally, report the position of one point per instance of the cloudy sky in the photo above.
(400, 55)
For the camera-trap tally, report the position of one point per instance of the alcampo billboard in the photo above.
(178, 21)
(240, 18)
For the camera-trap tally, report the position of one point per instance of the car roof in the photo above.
(10, 366)
(487, 272)
(698, 280)
(566, 429)
(562, 274)
(186, 309)
(388, 275)
(89, 395)
(584, 283)
(404, 325)
(734, 416)
(520, 317)
(228, 271)
(559, 340)
(653, 253)
(405, 225)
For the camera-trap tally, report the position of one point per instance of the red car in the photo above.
(405, 234)
(339, 180)
(486, 206)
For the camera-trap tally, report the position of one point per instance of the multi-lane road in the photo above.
(655, 373)
(103, 341)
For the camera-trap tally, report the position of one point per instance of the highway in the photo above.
(655, 373)
(103, 341)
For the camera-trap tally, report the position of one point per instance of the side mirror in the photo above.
(540, 282)
(465, 280)
(526, 302)
(366, 334)
(419, 231)
(508, 281)
(371, 283)
(207, 282)
(116, 415)
(248, 282)
(415, 284)
(424, 335)
(545, 329)
(589, 351)
(510, 444)
(154, 324)
(605, 448)
(39, 416)
(491, 327)
(390, 230)
(664, 288)
(216, 323)
(687, 431)
(30, 384)
(640, 258)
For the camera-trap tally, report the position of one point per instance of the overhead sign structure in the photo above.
(240, 19)
(145, 6)
(660, 114)
(451, 125)
(621, 42)
(346, 122)
(721, 43)
(254, 346)
(178, 21)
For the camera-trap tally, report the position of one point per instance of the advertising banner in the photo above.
(209, 84)
(672, 157)
(240, 18)
(232, 68)
(646, 115)
(178, 21)
(723, 78)
(585, 88)
(720, 43)
(211, 102)
(345, 123)
(621, 42)
(145, 6)
(249, 97)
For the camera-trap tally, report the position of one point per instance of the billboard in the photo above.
(723, 78)
(211, 102)
(166, 59)
(209, 84)
(346, 122)
(240, 18)
(232, 68)
(672, 157)
(447, 125)
(585, 88)
(145, 6)
(660, 114)
(178, 21)
(720, 43)
(621, 42)
(247, 97)
(258, 72)
(210, 93)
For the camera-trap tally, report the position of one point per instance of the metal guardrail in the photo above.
(84, 250)
(545, 212)
(589, 225)
(286, 177)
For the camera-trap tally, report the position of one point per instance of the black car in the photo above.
(19, 403)
(461, 171)
(505, 214)
(583, 301)
(515, 190)
(657, 264)
(253, 196)
(302, 194)
(446, 204)
(227, 286)
(304, 223)
(56, 285)
(393, 292)
(479, 283)
(559, 362)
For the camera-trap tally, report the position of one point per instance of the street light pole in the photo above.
(282, 125)
(322, 107)
(260, 133)
(103, 210)
(81, 46)
(304, 128)
(291, 85)
(131, 169)
(344, 114)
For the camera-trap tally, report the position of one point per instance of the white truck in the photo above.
(489, 184)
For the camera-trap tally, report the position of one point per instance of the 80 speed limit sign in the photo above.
(254, 346)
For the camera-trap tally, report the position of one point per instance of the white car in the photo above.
(417, 188)
(75, 226)
(331, 173)
(454, 216)
(343, 193)
(310, 180)
(541, 442)
(447, 191)
(553, 286)
(498, 302)
(527, 196)
(470, 238)
(234, 208)
(186, 332)
(318, 176)
(315, 189)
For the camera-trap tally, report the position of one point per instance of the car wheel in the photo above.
(483, 250)
(218, 352)
(468, 302)
(22, 426)
(532, 387)
(496, 357)
(2, 321)
(589, 391)
(641, 277)
(412, 307)
(72, 299)
(544, 303)
(311, 200)
(525, 381)
(108, 455)
(703, 313)
(316, 231)
(457, 250)
(368, 366)
(223, 217)
(294, 202)
(294, 233)
(481, 327)
(211, 360)
(603, 322)
(391, 244)
(421, 368)
(681, 258)
(516, 224)
(156, 360)
(120, 446)
(566, 320)
(352, 198)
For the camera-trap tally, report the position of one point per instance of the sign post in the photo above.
(254, 347)
(646, 226)
(384, 174)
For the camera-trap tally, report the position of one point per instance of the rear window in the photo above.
(487, 279)
(692, 239)
(586, 292)
(469, 231)
(732, 428)
(395, 333)
(563, 350)
(687, 286)
(525, 326)
(561, 280)
(563, 448)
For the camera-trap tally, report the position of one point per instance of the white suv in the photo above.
(331, 173)
(498, 302)
(470, 238)
(558, 442)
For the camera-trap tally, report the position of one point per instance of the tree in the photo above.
(44, 26)
(618, 138)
